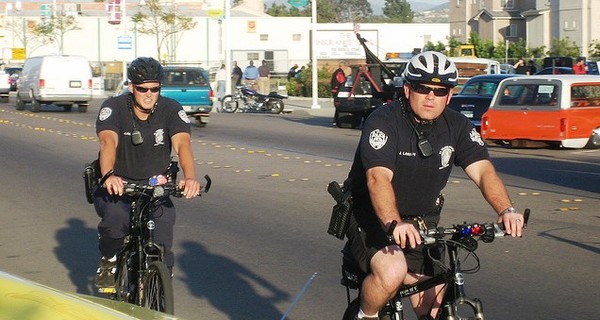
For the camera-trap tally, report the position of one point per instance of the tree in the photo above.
(563, 48)
(595, 48)
(352, 10)
(398, 11)
(53, 30)
(164, 23)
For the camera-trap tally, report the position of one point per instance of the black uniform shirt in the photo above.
(153, 156)
(389, 140)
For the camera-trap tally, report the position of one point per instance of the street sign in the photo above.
(124, 42)
(215, 13)
(298, 3)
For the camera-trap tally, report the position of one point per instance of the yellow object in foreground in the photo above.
(21, 299)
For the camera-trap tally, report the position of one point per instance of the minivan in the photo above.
(61, 80)
(558, 110)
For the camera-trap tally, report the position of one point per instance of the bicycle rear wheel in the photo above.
(158, 289)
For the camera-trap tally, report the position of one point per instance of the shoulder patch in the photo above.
(475, 137)
(183, 116)
(377, 139)
(104, 113)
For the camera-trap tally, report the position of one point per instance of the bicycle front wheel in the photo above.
(228, 104)
(158, 289)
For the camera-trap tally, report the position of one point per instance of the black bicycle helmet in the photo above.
(432, 67)
(144, 69)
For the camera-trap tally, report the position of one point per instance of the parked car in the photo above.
(593, 67)
(555, 70)
(61, 80)
(475, 97)
(4, 86)
(558, 110)
(190, 86)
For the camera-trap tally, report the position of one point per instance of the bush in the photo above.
(302, 87)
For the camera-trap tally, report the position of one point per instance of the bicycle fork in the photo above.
(458, 296)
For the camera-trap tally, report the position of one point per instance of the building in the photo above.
(535, 21)
(108, 38)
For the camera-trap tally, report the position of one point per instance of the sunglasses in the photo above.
(144, 90)
(438, 92)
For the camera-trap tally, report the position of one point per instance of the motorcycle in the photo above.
(248, 100)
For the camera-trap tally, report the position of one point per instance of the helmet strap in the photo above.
(142, 109)
(425, 147)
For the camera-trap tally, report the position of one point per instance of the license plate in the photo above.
(467, 113)
(75, 84)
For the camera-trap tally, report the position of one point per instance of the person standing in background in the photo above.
(338, 78)
(250, 76)
(521, 68)
(532, 67)
(236, 76)
(580, 67)
(292, 72)
(221, 78)
(264, 78)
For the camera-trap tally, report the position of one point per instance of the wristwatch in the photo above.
(508, 210)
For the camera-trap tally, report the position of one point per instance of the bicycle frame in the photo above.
(463, 237)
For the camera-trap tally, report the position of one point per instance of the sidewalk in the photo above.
(305, 104)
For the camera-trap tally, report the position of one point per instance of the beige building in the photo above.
(535, 21)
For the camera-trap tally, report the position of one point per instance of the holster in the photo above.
(340, 215)
(91, 175)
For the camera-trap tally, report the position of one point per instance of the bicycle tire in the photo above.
(228, 104)
(158, 289)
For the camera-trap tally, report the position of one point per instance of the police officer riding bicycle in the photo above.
(137, 132)
(402, 163)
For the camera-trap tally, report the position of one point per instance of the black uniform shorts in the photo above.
(367, 238)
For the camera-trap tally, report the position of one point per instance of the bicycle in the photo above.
(142, 277)
(462, 237)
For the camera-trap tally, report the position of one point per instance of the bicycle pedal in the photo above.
(107, 290)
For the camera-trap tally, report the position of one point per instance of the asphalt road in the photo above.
(246, 249)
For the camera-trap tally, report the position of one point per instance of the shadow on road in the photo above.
(227, 285)
(577, 175)
(78, 251)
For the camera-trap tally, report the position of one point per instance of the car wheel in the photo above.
(5, 98)
(68, 108)
(347, 120)
(20, 103)
(82, 107)
(594, 141)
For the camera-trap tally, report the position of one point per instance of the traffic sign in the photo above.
(298, 3)
(124, 42)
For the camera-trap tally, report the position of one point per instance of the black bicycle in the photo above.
(458, 242)
(142, 277)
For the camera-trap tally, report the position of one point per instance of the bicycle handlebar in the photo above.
(487, 232)
(159, 191)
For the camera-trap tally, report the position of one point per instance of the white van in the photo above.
(54, 79)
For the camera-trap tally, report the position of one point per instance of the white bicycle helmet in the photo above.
(432, 67)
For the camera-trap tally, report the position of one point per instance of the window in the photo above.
(511, 31)
(507, 4)
(532, 96)
(585, 96)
